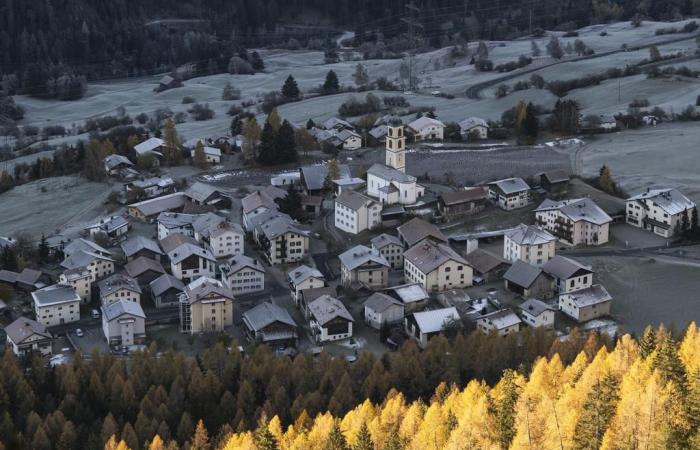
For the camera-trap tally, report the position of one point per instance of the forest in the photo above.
(167, 393)
(51, 48)
(637, 395)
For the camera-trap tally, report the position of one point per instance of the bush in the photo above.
(271, 100)
(181, 117)
(502, 90)
(354, 107)
(537, 81)
(483, 65)
(395, 101)
(53, 130)
(142, 118)
(230, 93)
(234, 110)
(201, 112)
(385, 85)
(521, 86)
(31, 130)
(186, 100)
(690, 27)
(9, 109)
(639, 103)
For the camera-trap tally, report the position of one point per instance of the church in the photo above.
(389, 183)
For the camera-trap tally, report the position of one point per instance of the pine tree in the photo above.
(274, 119)
(264, 439)
(333, 174)
(502, 409)
(531, 124)
(331, 84)
(129, 436)
(267, 155)
(360, 76)
(200, 158)
(669, 364)
(394, 441)
(535, 49)
(605, 180)
(173, 148)
(200, 441)
(597, 412)
(43, 249)
(285, 144)
(554, 48)
(291, 203)
(310, 124)
(647, 344)
(336, 439)
(363, 440)
(257, 62)
(290, 89)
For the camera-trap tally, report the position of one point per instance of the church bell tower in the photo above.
(396, 145)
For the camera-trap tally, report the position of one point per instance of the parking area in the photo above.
(626, 236)
(92, 341)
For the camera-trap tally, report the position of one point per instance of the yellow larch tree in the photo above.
(392, 411)
(354, 419)
(432, 432)
(472, 430)
(412, 420)
(241, 441)
(689, 350)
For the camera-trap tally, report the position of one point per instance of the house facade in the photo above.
(282, 240)
(304, 277)
(206, 305)
(529, 244)
(665, 212)
(568, 275)
(586, 304)
(537, 314)
(364, 266)
(502, 322)
(381, 309)
(390, 248)
(119, 287)
(465, 202)
(575, 222)
(27, 336)
(243, 275)
(425, 128)
(436, 267)
(165, 291)
(56, 305)
(329, 320)
(123, 323)
(510, 193)
(421, 326)
(80, 279)
(270, 324)
(473, 128)
(355, 212)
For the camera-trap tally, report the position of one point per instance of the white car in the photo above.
(79, 332)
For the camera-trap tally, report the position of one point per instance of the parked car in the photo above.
(95, 314)
(79, 333)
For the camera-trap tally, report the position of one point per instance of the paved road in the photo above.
(474, 91)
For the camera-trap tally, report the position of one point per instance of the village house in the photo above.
(80, 279)
(421, 326)
(98, 265)
(586, 304)
(307, 296)
(335, 123)
(282, 240)
(426, 129)
(313, 178)
(206, 305)
(350, 184)
(355, 212)
(304, 277)
(487, 266)
(510, 193)
(436, 266)
(118, 165)
(152, 146)
(119, 287)
(377, 135)
(530, 244)
(123, 323)
(188, 260)
(363, 266)
(165, 291)
(381, 309)
(138, 246)
(243, 275)
(555, 182)
(56, 305)
(417, 230)
(270, 324)
(537, 313)
(460, 203)
(258, 202)
(112, 227)
(205, 194)
(86, 246)
(147, 210)
(413, 296)
(223, 238)
(528, 281)
(312, 204)
(473, 128)
(144, 270)
(568, 275)
(503, 322)
(575, 222)
(349, 140)
(29, 280)
(26, 336)
(148, 187)
(329, 320)
(391, 248)
(212, 154)
(665, 212)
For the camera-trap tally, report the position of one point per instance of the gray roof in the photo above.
(312, 294)
(8, 276)
(301, 273)
(390, 174)
(670, 201)
(86, 246)
(54, 295)
(535, 307)
(593, 295)
(522, 274)
(435, 320)
(81, 259)
(137, 243)
(281, 225)
(472, 122)
(115, 160)
(264, 197)
(384, 239)
(184, 251)
(165, 282)
(415, 230)
(157, 205)
(28, 276)
(564, 268)
(176, 220)
(148, 145)
(483, 261)
(315, 176)
(119, 308)
(578, 209)
(335, 122)
(23, 328)
(463, 196)
(117, 282)
(162, 182)
(501, 319)
(265, 314)
(174, 240)
(240, 262)
(511, 185)
(110, 224)
(76, 274)
(202, 287)
(326, 308)
(529, 235)
(423, 122)
(381, 302)
(265, 216)
(206, 222)
(200, 192)
(359, 255)
(344, 135)
(410, 293)
(352, 199)
(379, 132)
(428, 256)
(556, 176)
(141, 265)
(389, 189)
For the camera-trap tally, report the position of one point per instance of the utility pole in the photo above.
(412, 23)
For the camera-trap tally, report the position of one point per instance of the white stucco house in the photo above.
(123, 323)
(355, 212)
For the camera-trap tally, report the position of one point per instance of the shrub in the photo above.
(271, 100)
(354, 107)
(181, 117)
(234, 110)
(385, 85)
(186, 100)
(201, 112)
(537, 81)
(483, 65)
(230, 93)
(690, 27)
(31, 130)
(395, 101)
(502, 90)
(521, 86)
(142, 118)
(639, 103)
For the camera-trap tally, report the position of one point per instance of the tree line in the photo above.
(637, 395)
(84, 403)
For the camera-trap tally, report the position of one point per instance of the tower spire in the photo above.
(395, 145)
